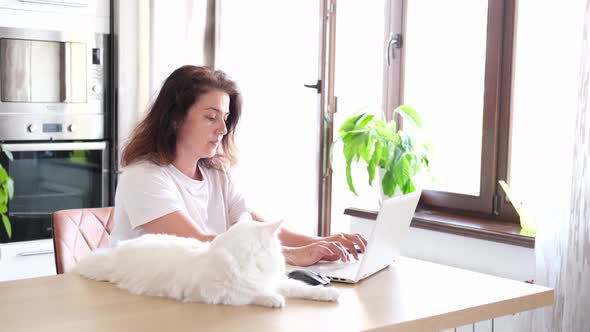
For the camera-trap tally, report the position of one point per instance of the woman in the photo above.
(176, 178)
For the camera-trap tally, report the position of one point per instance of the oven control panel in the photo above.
(48, 127)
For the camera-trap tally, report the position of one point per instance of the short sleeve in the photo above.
(236, 201)
(147, 193)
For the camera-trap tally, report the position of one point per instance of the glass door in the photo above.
(271, 57)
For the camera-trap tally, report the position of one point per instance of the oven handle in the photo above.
(35, 253)
(15, 147)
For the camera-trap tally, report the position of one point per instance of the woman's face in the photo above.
(201, 133)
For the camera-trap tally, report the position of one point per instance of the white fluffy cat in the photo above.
(241, 266)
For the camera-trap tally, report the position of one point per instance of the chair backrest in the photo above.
(77, 232)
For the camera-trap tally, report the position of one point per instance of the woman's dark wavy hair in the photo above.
(154, 139)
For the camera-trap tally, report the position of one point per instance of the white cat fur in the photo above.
(244, 265)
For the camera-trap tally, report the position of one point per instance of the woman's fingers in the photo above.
(338, 249)
(349, 244)
(359, 241)
(357, 235)
(354, 240)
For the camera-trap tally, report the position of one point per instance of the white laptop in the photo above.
(392, 225)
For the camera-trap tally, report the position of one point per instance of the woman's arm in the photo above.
(176, 223)
(289, 238)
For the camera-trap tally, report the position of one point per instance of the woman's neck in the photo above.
(188, 166)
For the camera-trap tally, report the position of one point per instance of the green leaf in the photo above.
(408, 187)
(407, 142)
(3, 193)
(349, 178)
(398, 153)
(385, 131)
(365, 120)
(389, 152)
(374, 162)
(402, 171)
(388, 183)
(350, 123)
(408, 113)
(10, 187)
(366, 147)
(7, 225)
(3, 208)
(3, 175)
(349, 154)
(360, 142)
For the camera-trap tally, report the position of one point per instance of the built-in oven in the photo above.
(49, 177)
(52, 126)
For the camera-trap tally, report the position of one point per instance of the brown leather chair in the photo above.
(77, 232)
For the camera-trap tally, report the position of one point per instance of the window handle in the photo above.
(394, 41)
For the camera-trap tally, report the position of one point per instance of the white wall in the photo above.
(494, 258)
(489, 257)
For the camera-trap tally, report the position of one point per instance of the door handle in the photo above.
(317, 86)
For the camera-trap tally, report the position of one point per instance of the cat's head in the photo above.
(253, 241)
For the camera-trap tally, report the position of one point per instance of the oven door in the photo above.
(50, 177)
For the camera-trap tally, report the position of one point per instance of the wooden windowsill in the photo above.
(478, 228)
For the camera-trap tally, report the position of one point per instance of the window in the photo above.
(457, 65)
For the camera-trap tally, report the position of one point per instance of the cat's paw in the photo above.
(327, 294)
(271, 301)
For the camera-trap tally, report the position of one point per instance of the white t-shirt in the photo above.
(147, 191)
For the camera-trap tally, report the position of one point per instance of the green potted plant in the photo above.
(6, 193)
(398, 154)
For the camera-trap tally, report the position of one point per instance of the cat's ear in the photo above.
(273, 226)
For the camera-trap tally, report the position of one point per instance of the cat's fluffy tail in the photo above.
(98, 265)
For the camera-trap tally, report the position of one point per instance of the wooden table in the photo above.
(410, 295)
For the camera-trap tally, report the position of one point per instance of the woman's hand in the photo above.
(349, 241)
(315, 252)
(330, 248)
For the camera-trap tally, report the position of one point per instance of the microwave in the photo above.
(48, 76)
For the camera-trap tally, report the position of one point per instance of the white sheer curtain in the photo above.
(550, 157)
(563, 261)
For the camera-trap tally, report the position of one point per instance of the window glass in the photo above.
(358, 87)
(444, 81)
(271, 56)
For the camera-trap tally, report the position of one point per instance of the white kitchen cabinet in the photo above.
(60, 15)
(26, 259)
(77, 7)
